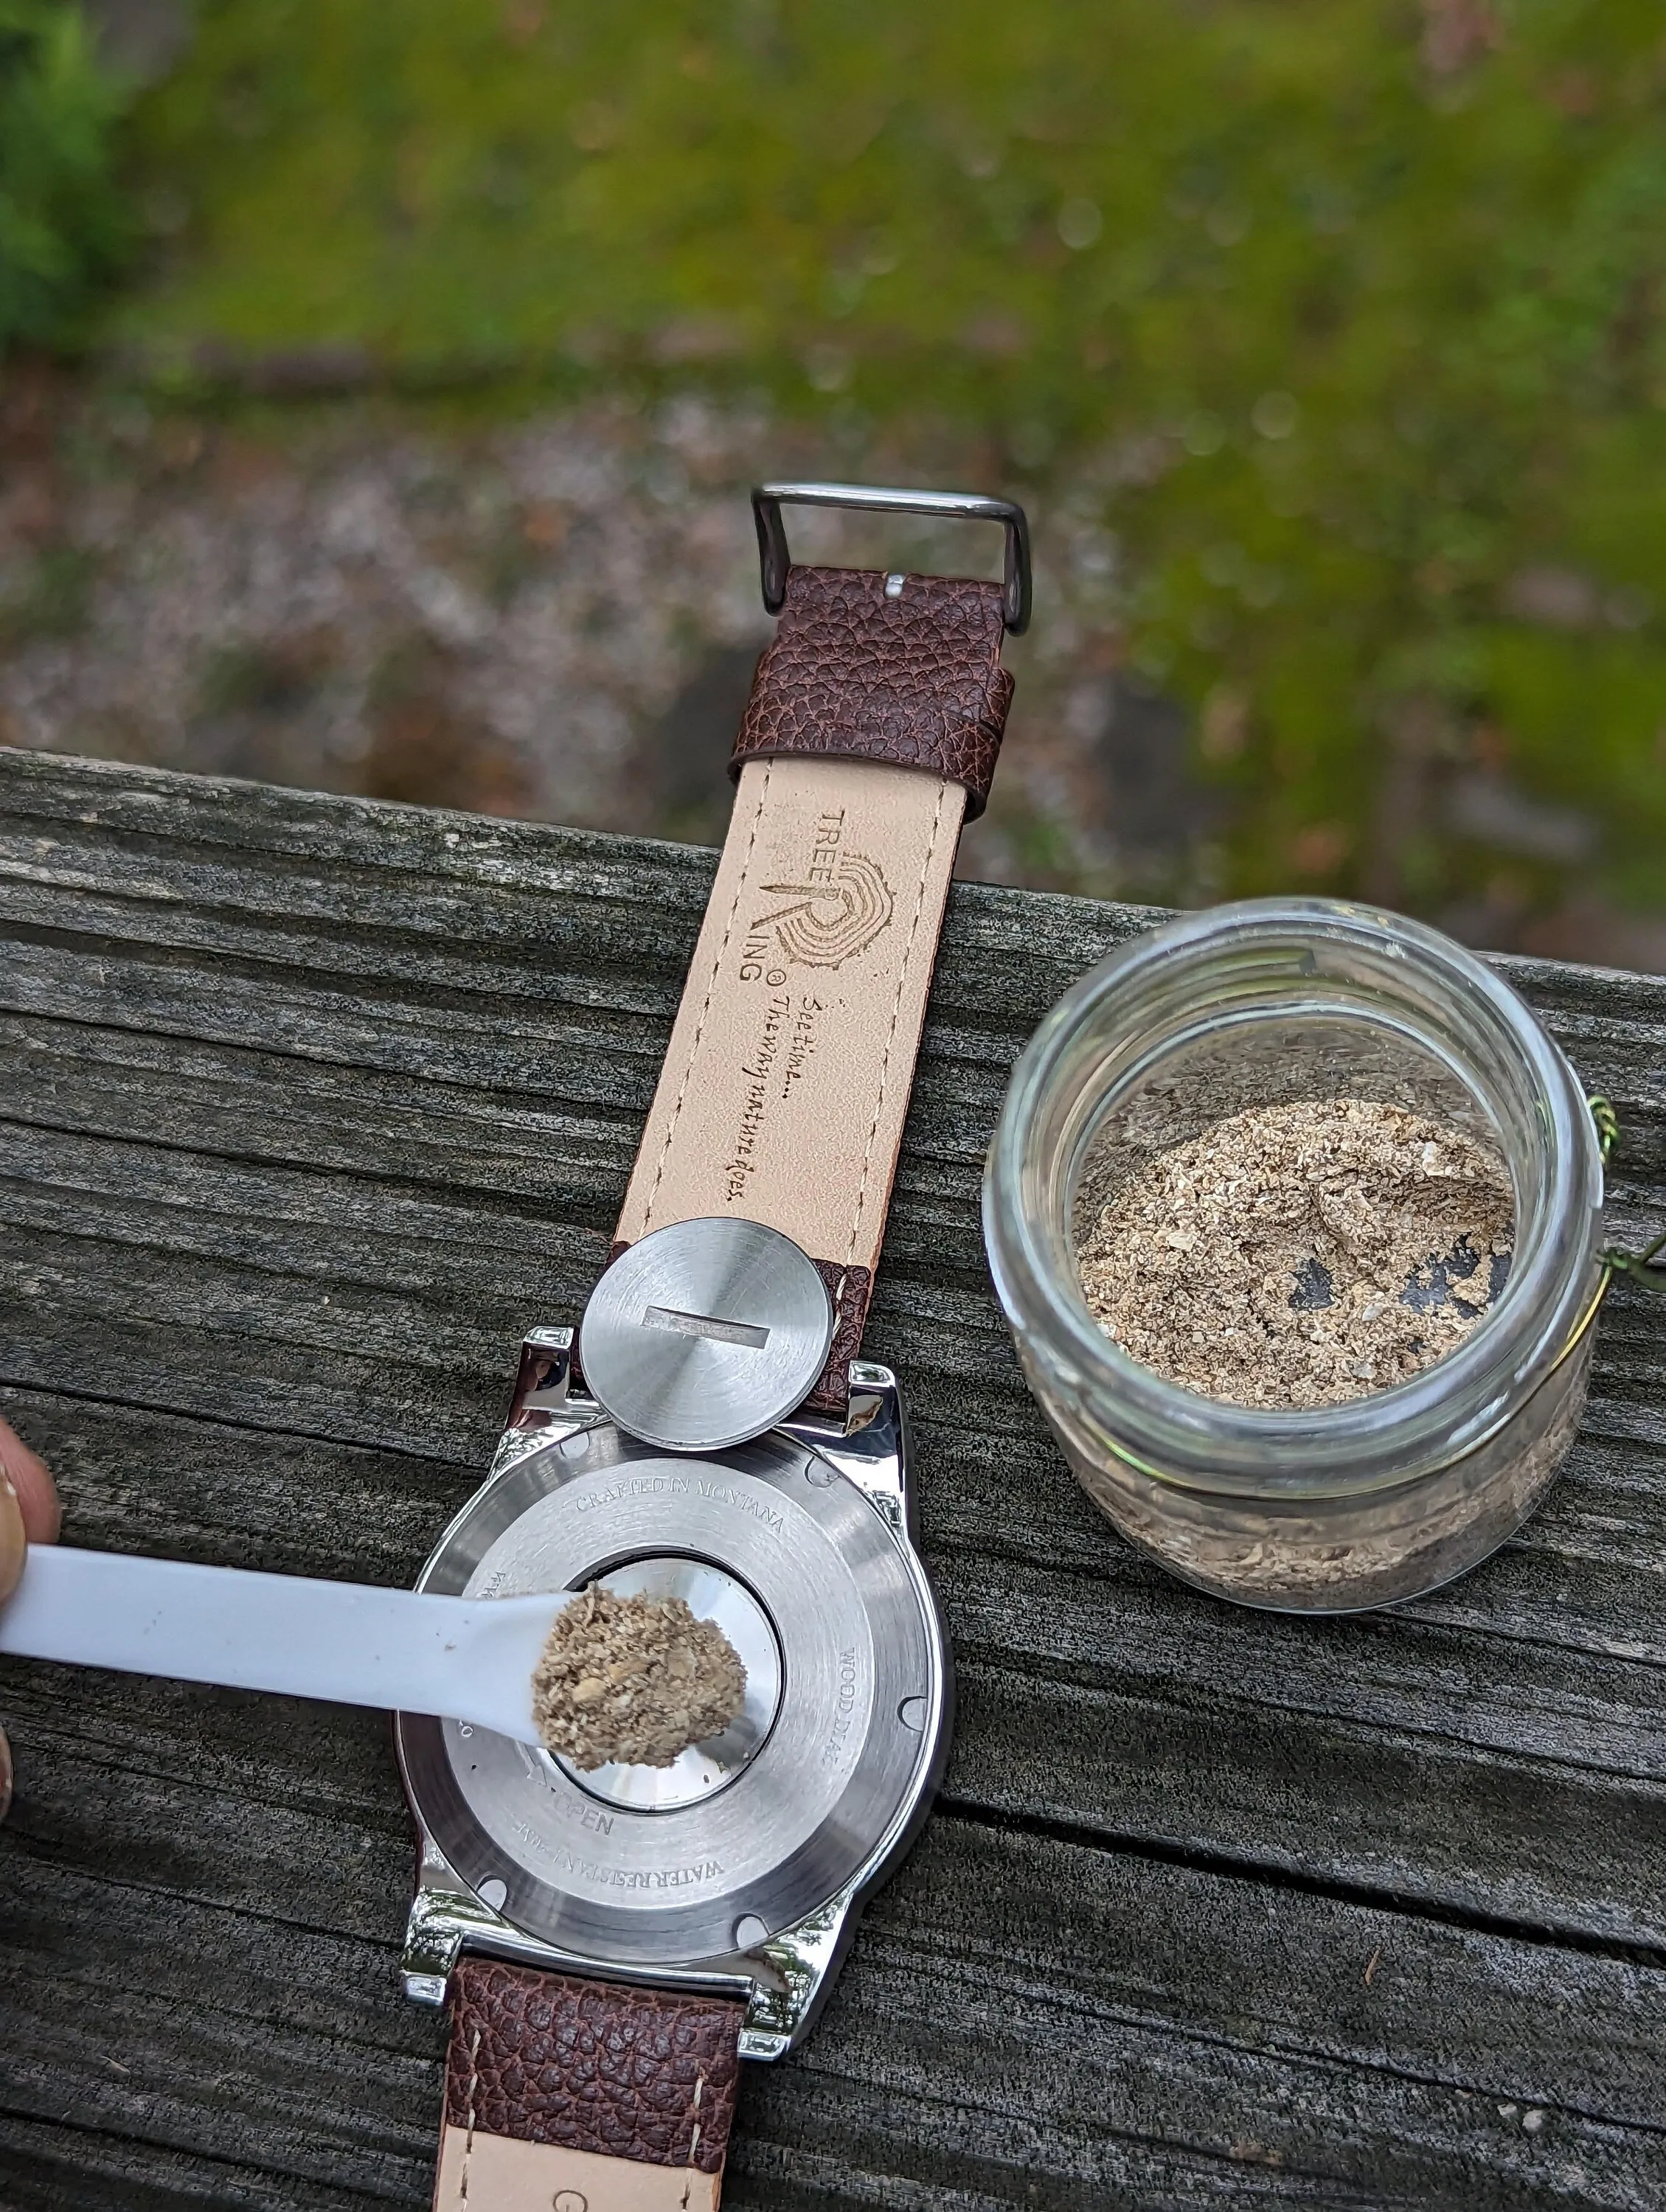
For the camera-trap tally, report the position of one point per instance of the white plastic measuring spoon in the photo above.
(468, 1658)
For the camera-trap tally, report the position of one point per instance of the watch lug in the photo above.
(447, 1918)
(545, 1406)
(871, 1448)
(793, 1972)
(545, 1376)
(443, 1915)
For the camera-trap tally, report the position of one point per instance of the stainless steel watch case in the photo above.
(555, 1435)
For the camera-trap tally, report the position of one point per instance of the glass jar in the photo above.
(1335, 1507)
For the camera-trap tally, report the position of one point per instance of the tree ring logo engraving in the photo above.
(828, 923)
(836, 912)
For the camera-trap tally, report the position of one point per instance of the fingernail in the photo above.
(13, 1543)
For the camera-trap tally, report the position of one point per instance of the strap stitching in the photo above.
(694, 2140)
(468, 2140)
(895, 1016)
(706, 1004)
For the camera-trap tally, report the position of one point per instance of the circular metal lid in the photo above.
(706, 1333)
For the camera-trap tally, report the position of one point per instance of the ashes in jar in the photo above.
(1302, 1253)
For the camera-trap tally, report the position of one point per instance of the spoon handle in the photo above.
(354, 1643)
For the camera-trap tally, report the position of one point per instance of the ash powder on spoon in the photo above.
(633, 1679)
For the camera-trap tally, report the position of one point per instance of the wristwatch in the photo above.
(613, 1941)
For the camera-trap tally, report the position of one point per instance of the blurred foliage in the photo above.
(62, 230)
(1347, 316)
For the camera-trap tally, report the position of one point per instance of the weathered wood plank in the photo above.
(307, 1107)
(1473, 1774)
(1149, 1784)
(1017, 2006)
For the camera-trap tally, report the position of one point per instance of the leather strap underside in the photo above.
(785, 1086)
(903, 669)
(584, 2096)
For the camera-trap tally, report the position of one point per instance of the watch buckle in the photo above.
(955, 506)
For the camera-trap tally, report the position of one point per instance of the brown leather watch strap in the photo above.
(901, 669)
(786, 1082)
(584, 2096)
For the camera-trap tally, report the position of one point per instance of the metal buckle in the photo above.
(958, 506)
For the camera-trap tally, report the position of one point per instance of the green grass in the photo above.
(1336, 341)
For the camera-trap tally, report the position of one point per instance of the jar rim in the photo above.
(1385, 1435)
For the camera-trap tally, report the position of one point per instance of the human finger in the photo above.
(28, 1511)
(27, 1474)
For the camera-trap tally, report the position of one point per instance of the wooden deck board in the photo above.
(307, 1109)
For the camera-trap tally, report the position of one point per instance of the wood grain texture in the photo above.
(308, 1108)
